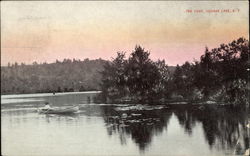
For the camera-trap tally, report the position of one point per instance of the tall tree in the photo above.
(142, 74)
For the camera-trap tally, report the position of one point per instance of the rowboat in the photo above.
(59, 110)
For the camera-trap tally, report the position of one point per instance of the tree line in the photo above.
(61, 76)
(221, 74)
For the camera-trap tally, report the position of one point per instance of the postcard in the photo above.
(139, 78)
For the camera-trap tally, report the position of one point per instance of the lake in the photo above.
(119, 129)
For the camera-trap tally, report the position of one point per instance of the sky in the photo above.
(44, 31)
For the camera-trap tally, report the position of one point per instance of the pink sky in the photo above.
(46, 31)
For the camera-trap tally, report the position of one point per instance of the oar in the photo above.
(46, 111)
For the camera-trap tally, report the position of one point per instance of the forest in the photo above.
(221, 75)
(62, 76)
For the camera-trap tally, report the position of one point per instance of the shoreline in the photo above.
(43, 94)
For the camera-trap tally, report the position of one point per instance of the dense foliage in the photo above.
(222, 74)
(137, 78)
(65, 76)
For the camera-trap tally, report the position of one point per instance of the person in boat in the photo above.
(47, 106)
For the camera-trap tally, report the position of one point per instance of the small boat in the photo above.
(59, 110)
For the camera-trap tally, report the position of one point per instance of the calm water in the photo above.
(105, 129)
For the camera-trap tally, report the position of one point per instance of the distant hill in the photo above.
(68, 75)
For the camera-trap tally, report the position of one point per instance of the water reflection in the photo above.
(151, 130)
(69, 118)
(141, 125)
(223, 127)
